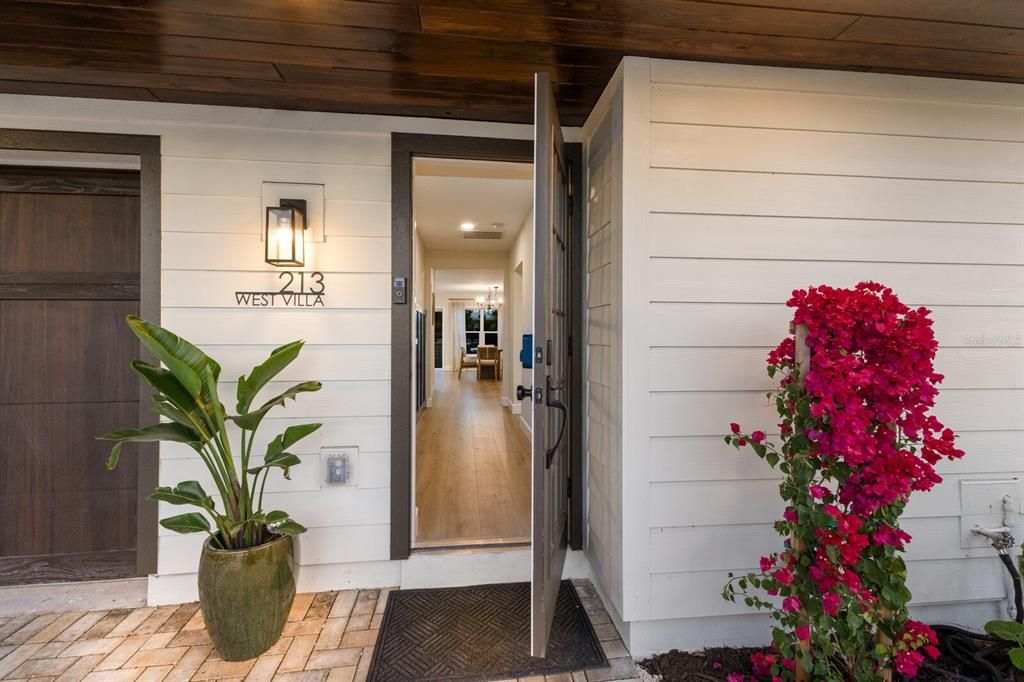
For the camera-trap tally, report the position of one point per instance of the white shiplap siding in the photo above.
(214, 161)
(758, 181)
(603, 154)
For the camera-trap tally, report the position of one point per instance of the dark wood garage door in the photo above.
(69, 274)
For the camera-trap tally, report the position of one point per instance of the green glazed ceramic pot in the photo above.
(246, 595)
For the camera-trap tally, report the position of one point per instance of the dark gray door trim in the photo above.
(577, 263)
(405, 146)
(147, 148)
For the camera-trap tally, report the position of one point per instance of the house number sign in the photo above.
(299, 289)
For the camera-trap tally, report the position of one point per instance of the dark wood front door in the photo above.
(551, 369)
(69, 274)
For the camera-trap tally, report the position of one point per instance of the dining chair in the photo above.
(487, 359)
(466, 361)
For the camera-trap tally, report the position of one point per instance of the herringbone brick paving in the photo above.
(329, 637)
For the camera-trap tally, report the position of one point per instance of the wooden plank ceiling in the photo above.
(470, 58)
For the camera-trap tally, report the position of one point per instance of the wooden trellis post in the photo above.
(803, 365)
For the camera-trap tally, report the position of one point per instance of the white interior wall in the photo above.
(520, 317)
(741, 184)
(214, 161)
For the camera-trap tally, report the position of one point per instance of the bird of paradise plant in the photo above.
(186, 398)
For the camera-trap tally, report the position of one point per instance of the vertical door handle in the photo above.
(560, 406)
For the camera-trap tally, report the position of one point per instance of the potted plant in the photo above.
(247, 567)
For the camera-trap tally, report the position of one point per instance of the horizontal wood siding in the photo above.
(764, 181)
(603, 364)
(214, 163)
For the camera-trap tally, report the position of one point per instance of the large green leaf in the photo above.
(249, 386)
(282, 460)
(291, 436)
(193, 522)
(186, 492)
(167, 385)
(165, 408)
(1017, 658)
(213, 403)
(251, 420)
(279, 522)
(177, 433)
(1006, 629)
(182, 358)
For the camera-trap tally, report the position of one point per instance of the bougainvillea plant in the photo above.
(855, 440)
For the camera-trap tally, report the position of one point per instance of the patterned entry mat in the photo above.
(478, 633)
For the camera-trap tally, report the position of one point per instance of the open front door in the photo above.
(551, 200)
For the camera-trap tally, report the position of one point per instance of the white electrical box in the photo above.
(981, 504)
(339, 464)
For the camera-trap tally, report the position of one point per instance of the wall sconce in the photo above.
(286, 233)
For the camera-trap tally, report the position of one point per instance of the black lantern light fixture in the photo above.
(286, 233)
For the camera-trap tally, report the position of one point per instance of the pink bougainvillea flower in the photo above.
(887, 535)
(735, 677)
(908, 662)
(783, 576)
(830, 603)
(864, 406)
(734, 427)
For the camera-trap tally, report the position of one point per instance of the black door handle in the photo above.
(523, 392)
(560, 406)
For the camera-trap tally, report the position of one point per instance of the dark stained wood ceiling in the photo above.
(470, 58)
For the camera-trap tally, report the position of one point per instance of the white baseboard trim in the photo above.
(98, 595)
(181, 588)
(506, 401)
(517, 408)
(526, 427)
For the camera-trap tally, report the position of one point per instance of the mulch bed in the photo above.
(710, 664)
(714, 665)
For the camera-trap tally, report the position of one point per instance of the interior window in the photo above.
(481, 328)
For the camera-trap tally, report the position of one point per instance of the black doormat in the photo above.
(478, 633)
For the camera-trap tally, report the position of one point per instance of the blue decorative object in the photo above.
(526, 354)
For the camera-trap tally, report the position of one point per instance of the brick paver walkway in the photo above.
(329, 636)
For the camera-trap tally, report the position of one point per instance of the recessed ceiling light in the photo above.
(466, 227)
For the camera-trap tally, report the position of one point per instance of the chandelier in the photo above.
(492, 301)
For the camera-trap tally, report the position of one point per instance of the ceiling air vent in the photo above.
(496, 231)
(481, 234)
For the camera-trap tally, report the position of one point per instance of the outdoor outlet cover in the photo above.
(339, 464)
(981, 503)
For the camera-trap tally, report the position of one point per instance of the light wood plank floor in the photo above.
(472, 466)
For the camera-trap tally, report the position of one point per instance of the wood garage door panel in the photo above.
(68, 523)
(66, 351)
(69, 233)
(69, 274)
(53, 448)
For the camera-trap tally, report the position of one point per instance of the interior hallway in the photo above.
(472, 466)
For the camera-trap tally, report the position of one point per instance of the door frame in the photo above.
(147, 149)
(404, 148)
